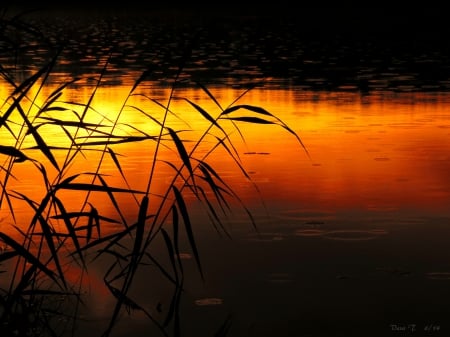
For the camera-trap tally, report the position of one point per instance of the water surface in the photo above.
(350, 237)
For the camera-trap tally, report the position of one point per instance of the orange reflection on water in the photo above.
(375, 152)
(372, 154)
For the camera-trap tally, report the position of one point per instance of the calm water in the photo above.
(351, 240)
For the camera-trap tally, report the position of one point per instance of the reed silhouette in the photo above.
(38, 298)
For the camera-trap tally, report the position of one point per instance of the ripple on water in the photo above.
(280, 278)
(310, 232)
(208, 301)
(441, 275)
(305, 215)
(342, 234)
(265, 237)
(355, 235)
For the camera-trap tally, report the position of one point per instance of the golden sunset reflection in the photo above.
(367, 153)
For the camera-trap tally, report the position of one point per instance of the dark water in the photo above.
(308, 48)
(311, 272)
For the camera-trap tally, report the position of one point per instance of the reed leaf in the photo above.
(182, 152)
(30, 258)
(131, 305)
(252, 108)
(115, 254)
(224, 328)
(139, 237)
(187, 223)
(123, 139)
(70, 228)
(8, 255)
(24, 282)
(12, 107)
(116, 162)
(93, 220)
(60, 89)
(114, 201)
(76, 215)
(264, 112)
(170, 251)
(214, 217)
(128, 302)
(146, 114)
(95, 188)
(230, 190)
(160, 268)
(176, 244)
(77, 124)
(87, 106)
(13, 152)
(50, 101)
(7, 77)
(216, 189)
(38, 139)
(250, 119)
(173, 312)
(205, 114)
(177, 170)
(28, 83)
(68, 180)
(112, 238)
(205, 89)
(207, 169)
(48, 235)
(162, 106)
(235, 159)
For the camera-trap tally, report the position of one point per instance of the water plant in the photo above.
(64, 229)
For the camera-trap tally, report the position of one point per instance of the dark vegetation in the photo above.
(60, 235)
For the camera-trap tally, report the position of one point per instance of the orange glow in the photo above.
(366, 153)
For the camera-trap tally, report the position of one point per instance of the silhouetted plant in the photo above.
(39, 299)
